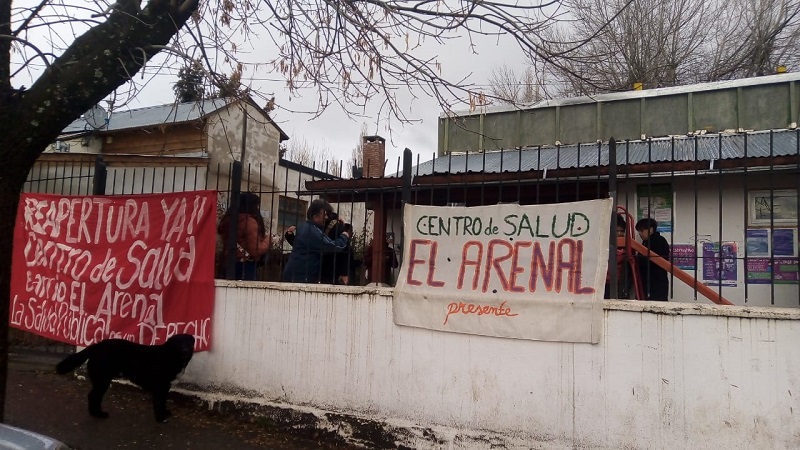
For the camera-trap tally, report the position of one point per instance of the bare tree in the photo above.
(508, 87)
(302, 152)
(72, 55)
(610, 45)
(357, 154)
(229, 86)
(115, 45)
(752, 38)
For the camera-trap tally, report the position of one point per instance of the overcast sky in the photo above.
(338, 133)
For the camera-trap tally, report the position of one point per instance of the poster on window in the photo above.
(783, 242)
(719, 263)
(684, 256)
(655, 201)
(136, 267)
(523, 272)
(772, 271)
(757, 242)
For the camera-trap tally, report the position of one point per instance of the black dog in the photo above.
(152, 367)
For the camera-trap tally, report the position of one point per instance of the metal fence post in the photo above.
(232, 215)
(100, 176)
(406, 198)
(612, 243)
(406, 195)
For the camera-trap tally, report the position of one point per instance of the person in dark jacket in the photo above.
(341, 265)
(654, 279)
(310, 243)
(338, 267)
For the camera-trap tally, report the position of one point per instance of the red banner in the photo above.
(136, 267)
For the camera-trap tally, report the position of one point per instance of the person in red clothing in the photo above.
(389, 260)
(624, 280)
(252, 242)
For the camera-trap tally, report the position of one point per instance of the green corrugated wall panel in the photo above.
(578, 123)
(621, 120)
(538, 126)
(464, 134)
(501, 131)
(715, 110)
(665, 116)
(756, 104)
(765, 107)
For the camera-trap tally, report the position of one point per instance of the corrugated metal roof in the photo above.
(153, 116)
(684, 148)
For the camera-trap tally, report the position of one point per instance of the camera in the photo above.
(334, 226)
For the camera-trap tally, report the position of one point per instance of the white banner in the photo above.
(526, 272)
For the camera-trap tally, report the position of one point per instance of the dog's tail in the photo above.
(73, 361)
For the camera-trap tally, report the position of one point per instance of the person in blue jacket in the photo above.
(310, 243)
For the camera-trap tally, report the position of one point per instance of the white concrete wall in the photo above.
(225, 130)
(149, 176)
(671, 375)
(155, 179)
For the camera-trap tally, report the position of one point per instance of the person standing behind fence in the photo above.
(310, 243)
(337, 267)
(389, 261)
(654, 279)
(252, 242)
(623, 270)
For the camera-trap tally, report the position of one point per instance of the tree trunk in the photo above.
(10, 188)
(97, 63)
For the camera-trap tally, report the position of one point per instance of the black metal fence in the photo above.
(726, 203)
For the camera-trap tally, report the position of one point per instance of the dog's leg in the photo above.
(160, 403)
(99, 388)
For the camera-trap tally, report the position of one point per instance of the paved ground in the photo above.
(40, 400)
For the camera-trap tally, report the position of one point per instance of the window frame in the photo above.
(753, 210)
(298, 209)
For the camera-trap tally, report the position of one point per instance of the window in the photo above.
(777, 207)
(291, 211)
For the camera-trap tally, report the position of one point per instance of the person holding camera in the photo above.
(337, 267)
(306, 263)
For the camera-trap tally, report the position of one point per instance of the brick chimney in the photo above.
(374, 154)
